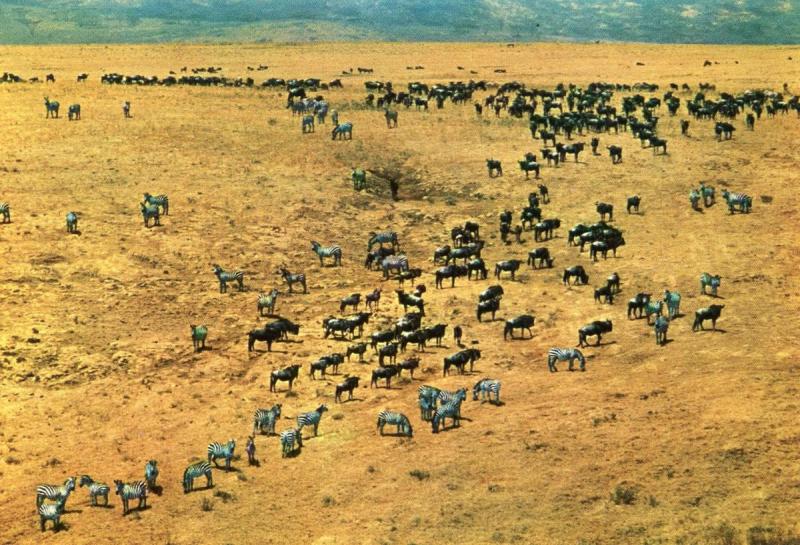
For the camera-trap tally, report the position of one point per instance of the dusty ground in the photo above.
(97, 373)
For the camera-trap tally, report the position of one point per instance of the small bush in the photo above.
(623, 495)
(759, 535)
(272, 121)
(328, 501)
(224, 496)
(337, 416)
(419, 474)
(10, 460)
(724, 534)
(207, 505)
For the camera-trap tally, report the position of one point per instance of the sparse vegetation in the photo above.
(623, 494)
(419, 474)
(206, 505)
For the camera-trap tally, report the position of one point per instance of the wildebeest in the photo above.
(605, 293)
(637, 304)
(724, 130)
(658, 143)
(544, 229)
(605, 209)
(460, 359)
(385, 373)
(613, 282)
(348, 385)
(51, 108)
(633, 203)
(352, 300)
(74, 112)
(603, 246)
(713, 282)
(709, 313)
(542, 255)
(407, 300)
(684, 126)
(510, 265)
(373, 298)
(615, 152)
(495, 168)
(450, 271)
(391, 118)
(479, 267)
(525, 321)
(266, 334)
(529, 166)
(409, 364)
(578, 273)
(492, 305)
(595, 328)
(287, 374)
(359, 349)
(490, 293)
(389, 351)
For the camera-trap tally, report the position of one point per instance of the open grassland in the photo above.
(97, 373)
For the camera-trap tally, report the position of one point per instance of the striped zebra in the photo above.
(53, 512)
(224, 277)
(96, 489)
(395, 419)
(708, 193)
(673, 302)
(54, 492)
(428, 395)
(450, 410)
(199, 334)
(446, 397)
(218, 450)
(740, 200)
(5, 210)
(342, 131)
(72, 222)
(149, 212)
(327, 251)
(397, 263)
(384, 237)
(311, 418)
(653, 308)
(291, 279)
(288, 440)
(267, 301)
(195, 470)
(307, 125)
(694, 198)
(713, 282)
(555, 355)
(136, 490)
(660, 327)
(158, 200)
(266, 418)
(151, 474)
(487, 387)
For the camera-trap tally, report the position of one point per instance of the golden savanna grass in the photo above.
(97, 373)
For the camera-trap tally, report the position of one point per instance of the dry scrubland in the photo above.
(97, 372)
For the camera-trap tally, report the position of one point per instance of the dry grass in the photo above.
(112, 380)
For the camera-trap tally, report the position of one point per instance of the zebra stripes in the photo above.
(266, 418)
(322, 252)
(267, 301)
(54, 492)
(673, 302)
(555, 355)
(195, 470)
(95, 489)
(311, 418)
(486, 387)
(450, 410)
(149, 212)
(396, 263)
(136, 490)
(151, 474)
(395, 419)
(742, 201)
(5, 210)
(224, 277)
(158, 201)
(218, 450)
(72, 222)
(660, 327)
(288, 440)
(653, 307)
(427, 401)
(52, 512)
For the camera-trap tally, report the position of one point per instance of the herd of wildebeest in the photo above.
(555, 116)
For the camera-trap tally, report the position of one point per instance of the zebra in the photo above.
(53, 512)
(224, 277)
(308, 124)
(158, 200)
(487, 387)
(96, 489)
(707, 193)
(428, 395)
(311, 418)
(150, 212)
(694, 198)
(267, 301)
(74, 111)
(72, 222)
(151, 474)
(444, 397)
(54, 492)
(195, 470)
(291, 279)
(395, 419)
(450, 410)
(51, 108)
(266, 418)
(396, 263)
(5, 210)
(136, 490)
(673, 302)
(565, 354)
(343, 131)
(744, 202)
(653, 308)
(660, 327)
(288, 440)
(706, 280)
(327, 251)
(359, 177)
(391, 118)
(385, 237)
(199, 334)
(218, 450)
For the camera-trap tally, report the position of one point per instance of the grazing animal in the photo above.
(52, 512)
(653, 308)
(384, 372)
(459, 360)
(218, 450)
(359, 349)
(225, 276)
(292, 279)
(349, 384)
(724, 130)
(613, 282)
(343, 131)
(265, 419)
(72, 222)
(713, 282)
(633, 203)
(291, 440)
(54, 492)
(51, 108)
(636, 305)
(544, 229)
(604, 292)
(709, 313)
(529, 166)
(486, 387)
(494, 167)
(307, 124)
(578, 273)
(441, 254)
(492, 305)
(742, 201)
(450, 410)
(660, 327)
(151, 474)
(385, 237)
(605, 209)
(522, 322)
(5, 210)
(673, 302)
(708, 193)
(96, 489)
(389, 351)
(684, 126)
(491, 292)
(596, 328)
(136, 490)
(615, 152)
(334, 252)
(311, 418)
(396, 263)
(267, 301)
(694, 199)
(391, 118)
(158, 200)
(409, 300)
(74, 112)
(150, 212)
(359, 178)
(555, 355)
(450, 271)
(373, 298)
(265, 334)
(199, 334)
(511, 265)
(428, 396)
(395, 419)
(542, 255)
(287, 374)
(352, 300)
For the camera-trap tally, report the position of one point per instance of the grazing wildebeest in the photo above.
(460, 359)
(542, 255)
(709, 313)
(724, 130)
(596, 328)
(450, 271)
(349, 384)
(525, 321)
(490, 293)
(707, 280)
(287, 374)
(510, 265)
(492, 305)
(51, 108)
(615, 152)
(386, 373)
(409, 300)
(495, 168)
(74, 112)
(529, 166)
(636, 305)
(373, 298)
(658, 143)
(613, 282)
(604, 292)
(479, 267)
(352, 300)
(578, 272)
(633, 203)
(544, 229)
(391, 118)
(266, 334)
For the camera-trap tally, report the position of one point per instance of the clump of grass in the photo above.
(291, 393)
(224, 496)
(419, 474)
(724, 534)
(12, 461)
(760, 535)
(272, 121)
(52, 462)
(328, 501)
(206, 505)
(338, 416)
(623, 494)
(241, 477)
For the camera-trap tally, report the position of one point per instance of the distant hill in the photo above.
(666, 21)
